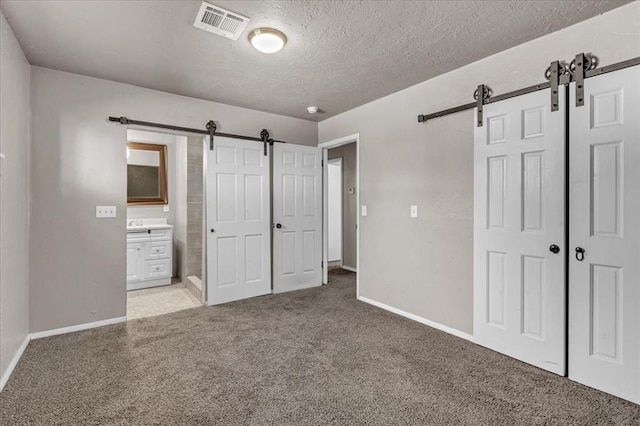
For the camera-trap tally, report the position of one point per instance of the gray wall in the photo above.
(349, 201)
(424, 266)
(79, 161)
(14, 196)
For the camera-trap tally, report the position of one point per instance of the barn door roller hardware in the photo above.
(553, 73)
(577, 67)
(211, 131)
(584, 66)
(481, 94)
(264, 135)
(211, 128)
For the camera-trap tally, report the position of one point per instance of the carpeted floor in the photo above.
(303, 358)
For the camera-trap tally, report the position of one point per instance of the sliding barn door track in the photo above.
(211, 131)
(582, 67)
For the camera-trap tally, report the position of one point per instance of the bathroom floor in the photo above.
(150, 302)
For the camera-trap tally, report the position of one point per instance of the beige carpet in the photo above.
(303, 358)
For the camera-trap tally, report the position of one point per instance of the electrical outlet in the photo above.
(414, 211)
(105, 211)
(364, 210)
(165, 208)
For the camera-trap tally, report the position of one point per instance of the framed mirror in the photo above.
(146, 173)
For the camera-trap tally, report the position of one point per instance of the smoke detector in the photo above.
(220, 21)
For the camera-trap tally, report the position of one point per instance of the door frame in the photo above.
(325, 146)
(204, 279)
(338, 162)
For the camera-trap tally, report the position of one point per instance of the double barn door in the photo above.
(244, 239)
(557, 232)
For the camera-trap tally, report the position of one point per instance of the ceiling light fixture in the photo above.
(312, 109)
(267, 40)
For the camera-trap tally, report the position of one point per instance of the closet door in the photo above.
(297, 217)
(604, 266)
(519, 230)
(238, 221)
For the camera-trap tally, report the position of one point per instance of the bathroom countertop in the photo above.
(136, 225)
(143, 227)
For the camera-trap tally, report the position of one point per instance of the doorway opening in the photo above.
(341, 206)
(164, 223)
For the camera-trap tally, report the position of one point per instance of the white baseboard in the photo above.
(349, 268)
(79, 327)
(14, 362)
(419, 319)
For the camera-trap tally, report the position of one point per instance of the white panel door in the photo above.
(334, 210)
(519, 214)
(604, 287)
(238, 221)
(297, 217)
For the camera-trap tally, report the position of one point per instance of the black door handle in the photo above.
(278, 226)
(554, 249)
(579, 254)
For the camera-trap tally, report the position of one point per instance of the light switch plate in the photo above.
(364, 210)
(414, 211)
(105, 211)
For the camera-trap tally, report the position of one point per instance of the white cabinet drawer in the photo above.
(157, 250)
(160, 235)
(137, 236)
(160, 268)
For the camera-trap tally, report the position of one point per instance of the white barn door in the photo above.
(519, 230)
(604, 271)
(238, 221)
(297, 217)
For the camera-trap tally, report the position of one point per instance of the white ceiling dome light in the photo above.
(267, 40)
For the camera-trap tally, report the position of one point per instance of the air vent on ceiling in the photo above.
(220, 21)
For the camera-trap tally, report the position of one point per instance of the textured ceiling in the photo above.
(340, 54)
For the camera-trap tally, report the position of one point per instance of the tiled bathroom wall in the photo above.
(193, 259)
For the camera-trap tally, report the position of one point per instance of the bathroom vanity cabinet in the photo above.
(149, 256)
